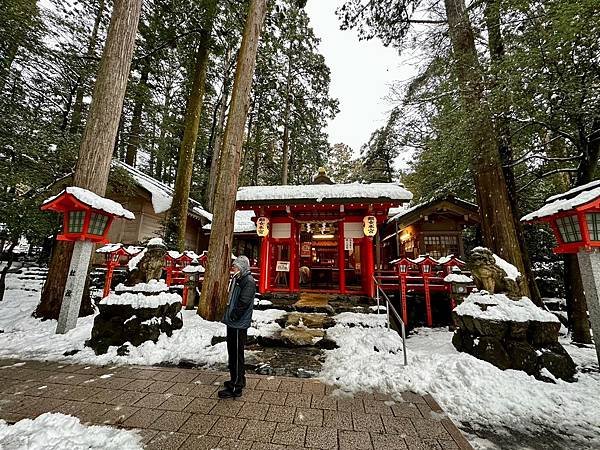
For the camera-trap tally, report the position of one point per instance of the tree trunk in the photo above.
(177, 220)
(499, 231)
(505, 149)
(9, 261)
(83, 77)
(136, 120)
(257, 146)
(286, 120)
(214, 290)
(247, 144)
(95, 153)
(217, 144)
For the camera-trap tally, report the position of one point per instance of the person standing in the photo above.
(238, 315)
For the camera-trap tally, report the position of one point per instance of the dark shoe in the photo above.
(229, 385)
(229, 393)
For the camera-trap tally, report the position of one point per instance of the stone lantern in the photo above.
(459, 286)
(86, 220)
(575, 220)
(192, 276)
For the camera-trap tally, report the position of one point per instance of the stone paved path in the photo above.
(178, 409)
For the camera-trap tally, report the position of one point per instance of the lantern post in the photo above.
(86, 220)
(402, 266)
(574, 217)
(192, 274)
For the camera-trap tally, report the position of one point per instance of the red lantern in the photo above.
(574, 217)
(86, 216)
(575, 220)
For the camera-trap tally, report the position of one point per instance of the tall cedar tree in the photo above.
(214, 289)
(95, 153)
(497, 214)
(176, 222)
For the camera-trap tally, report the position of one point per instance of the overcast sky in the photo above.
(361, 73)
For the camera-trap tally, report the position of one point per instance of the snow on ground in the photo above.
(61, 432)
(29, 338)
(473, 392)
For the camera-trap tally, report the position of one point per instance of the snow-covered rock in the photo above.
(511, 334)
(62, 432)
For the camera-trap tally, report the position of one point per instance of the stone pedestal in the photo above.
(78, 269)
(589, 265)
(135, 315)
(511, 342)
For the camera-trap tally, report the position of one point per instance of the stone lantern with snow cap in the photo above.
(459, 285)
(192, 274)
(86, 220)
(574, 217)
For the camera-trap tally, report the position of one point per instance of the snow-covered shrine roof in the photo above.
(243, 222)
(566, 201)
(323, 193)
(161, 193)
(94, 201)
(404, 212)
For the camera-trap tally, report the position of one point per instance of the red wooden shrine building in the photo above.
(319, 237)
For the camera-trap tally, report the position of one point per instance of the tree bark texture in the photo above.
(218, 142)
(95, 152)
(76, 119)
(177, 220)
(498, 227)
(214, 289)
(136, 120)
(286, 122)
(10, 257)
(505, 148)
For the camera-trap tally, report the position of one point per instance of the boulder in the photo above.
(490, 327)
(134, 317)
(523, 356)
(511, 334)
(558, 362)
(492, 350)
(463, 341)
(300, 337)
(542, 333)
(309, 320)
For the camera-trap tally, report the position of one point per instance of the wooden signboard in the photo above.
(282, 266)
(305, 250)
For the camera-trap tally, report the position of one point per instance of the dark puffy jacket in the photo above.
(240, 303)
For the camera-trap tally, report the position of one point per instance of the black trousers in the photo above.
(236, 340)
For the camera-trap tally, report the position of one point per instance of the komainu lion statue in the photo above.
(490, 277)
(150, 266)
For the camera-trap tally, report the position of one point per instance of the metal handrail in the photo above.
(388, 307)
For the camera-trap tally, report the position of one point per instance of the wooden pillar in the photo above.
(263, 284)
(369, 267)
(108, 279)
(342, 258)
(294, 263)
(427, 300)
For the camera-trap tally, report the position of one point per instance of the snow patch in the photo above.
(62, 432)
(320, 192)
(140, 300)
(151, 286)
(500, 307)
